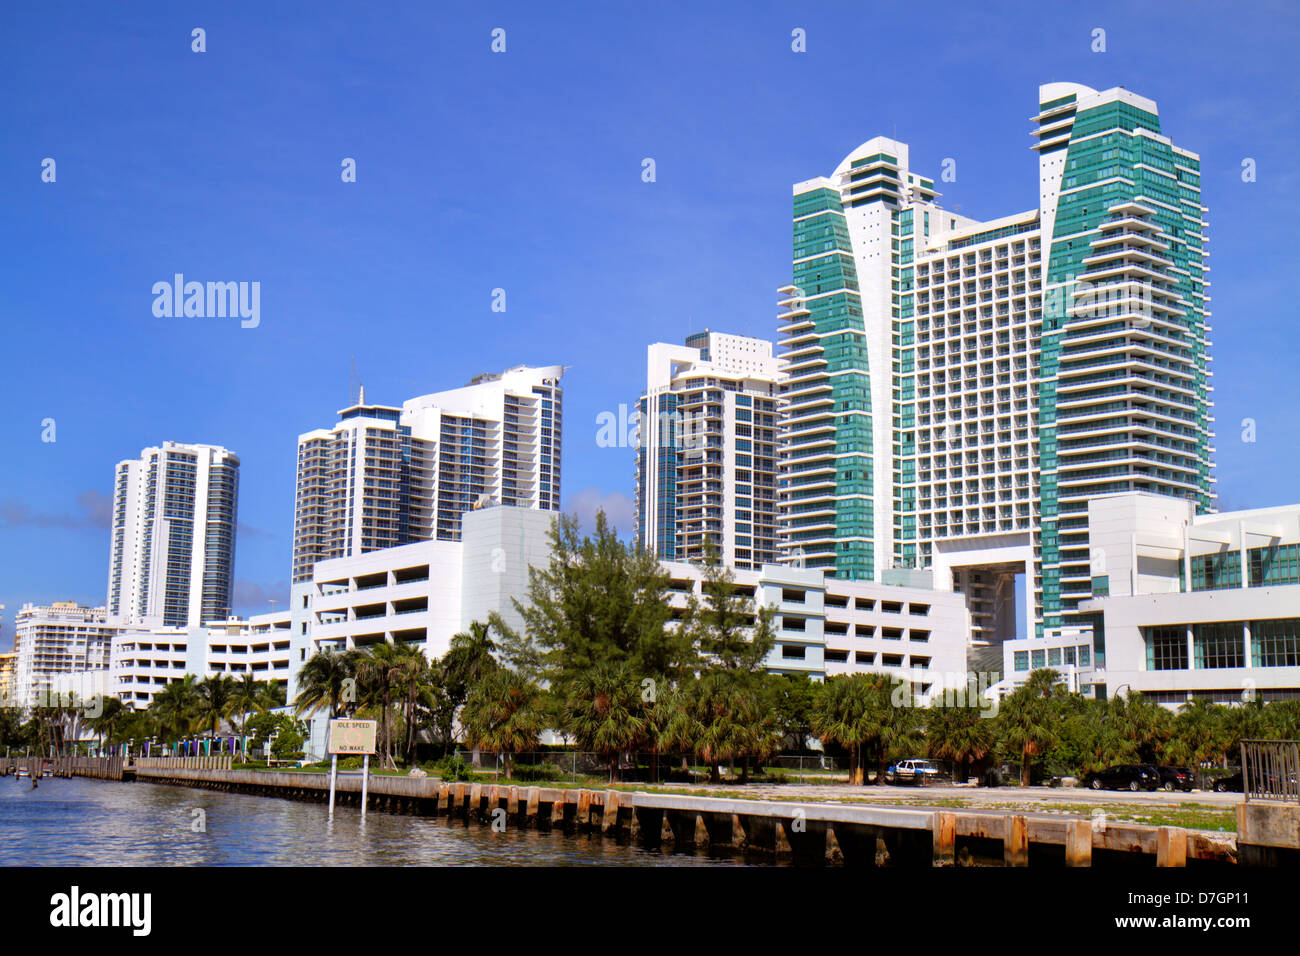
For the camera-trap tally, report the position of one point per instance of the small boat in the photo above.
(23, 772)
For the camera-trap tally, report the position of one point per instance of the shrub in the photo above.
(541, 771)
(453, 769)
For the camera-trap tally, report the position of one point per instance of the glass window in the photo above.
(1219, 644)
(1166, 648)
(1275, 643)
(1022, 660)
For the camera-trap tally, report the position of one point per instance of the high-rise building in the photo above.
(706, 463)
(8, 679)
(386, 476)
(172, 554)
(59, 638)
(959, 389)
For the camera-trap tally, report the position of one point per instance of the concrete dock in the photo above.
(808, 833)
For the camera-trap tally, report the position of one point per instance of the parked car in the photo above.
(1271, 781)
(1176, 778)
(1229, 784)
(914, 771)
(1128, 776)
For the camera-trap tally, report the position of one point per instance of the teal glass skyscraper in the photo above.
(958, 389)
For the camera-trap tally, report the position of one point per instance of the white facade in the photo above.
(827, 626)
(425, 593)
(172, 550)
(388, 477)
(706, 463)
(1189, 605)
(60, 638)
(144, 660)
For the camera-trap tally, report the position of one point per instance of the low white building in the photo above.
(1185, 606)
(424, 593)
(146, 659)
(827, 626)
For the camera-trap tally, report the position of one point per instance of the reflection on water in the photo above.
(75, 822)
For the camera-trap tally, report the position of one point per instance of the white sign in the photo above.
(352, 737)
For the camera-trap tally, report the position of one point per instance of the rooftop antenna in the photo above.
(352, 382)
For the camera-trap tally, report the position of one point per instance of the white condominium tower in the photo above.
(958, 390)
(706, 463)
(386, 475)
(172, 556)
(55, 639)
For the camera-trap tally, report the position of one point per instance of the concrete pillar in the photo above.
(650, 824)
(1078, 843)
(534, 802)
(1241, 550)
(682, 823)
(807, 841)
(609, 814)
(1171, 846)
(945, 839)
(720, 830)
(760, 833)
(1015, 841)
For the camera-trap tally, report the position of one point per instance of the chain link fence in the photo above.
(579, 766)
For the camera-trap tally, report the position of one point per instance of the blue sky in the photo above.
(522, 171)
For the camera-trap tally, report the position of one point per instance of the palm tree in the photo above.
(247, 697)
(858, 711)
(679, 729)
(1144, 724)
(112, 715)
(173, 708)
(959, 734)
(411, 678)
(603, 712)
(378, 669)
(215, 701)
(504, 714)
(323, 682)
(1196, 738)
(468, 660)
(840, 716)
(1026, 719)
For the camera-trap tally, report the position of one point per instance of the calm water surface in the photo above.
(82, 822)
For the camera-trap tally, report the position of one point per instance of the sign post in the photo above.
(351, 737)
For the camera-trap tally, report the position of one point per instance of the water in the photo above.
(82, 822)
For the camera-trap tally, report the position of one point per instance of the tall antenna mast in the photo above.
(353, 385)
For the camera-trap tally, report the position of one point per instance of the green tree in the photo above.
(958, 733)
(1026, 721)
(725, 628)
(107, 720)
(603, 712)
(173, 708)
(470, 658)
(326, 682)
(600, 601)
(790, 701)
(214, 702)
(504, 715)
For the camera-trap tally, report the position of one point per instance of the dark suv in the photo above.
(1175, 778)
(1128, 776)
